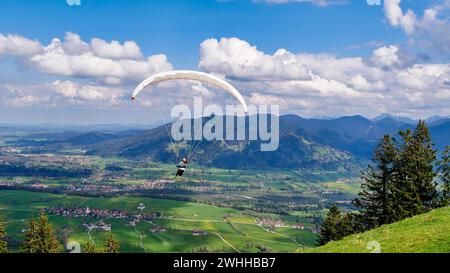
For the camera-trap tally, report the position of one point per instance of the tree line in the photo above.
(400, 183)
(40, 238)
(20, 169)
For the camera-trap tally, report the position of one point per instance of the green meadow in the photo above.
(426, 233)
(228, 230)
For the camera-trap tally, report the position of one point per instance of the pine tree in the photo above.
(335, 226)
(30, 243)
(3, 244)
(328, 229)
(375, 198)
(406, 193)
(90, 248)
(111, 245)
(347, 225)
(425, 174)
(416, 169)
(444, 169)
(40, 237)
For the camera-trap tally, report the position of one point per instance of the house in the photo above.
(199, 233)
(141, 206)
(158, 229)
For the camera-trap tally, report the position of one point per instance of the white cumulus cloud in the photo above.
(323, 84)
(108, 62)
(237, 58)
(114, 50)
(431, 29)
(386, 56)
(111, 63)
(18, 45)
(86, 92)
(398, 18)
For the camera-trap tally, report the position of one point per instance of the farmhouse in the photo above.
(101, 226)
(199, 233)
(158, 229)
(270, 222)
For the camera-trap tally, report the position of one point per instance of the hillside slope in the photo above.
(427, 233)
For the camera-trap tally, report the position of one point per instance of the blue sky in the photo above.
(178, 28)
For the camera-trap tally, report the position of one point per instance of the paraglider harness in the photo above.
(182, 166)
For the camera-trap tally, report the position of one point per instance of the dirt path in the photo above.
(226, 242)
(215, 233)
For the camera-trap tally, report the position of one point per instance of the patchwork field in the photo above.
(227, 230)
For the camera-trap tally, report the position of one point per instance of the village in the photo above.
(132, 218)
(85, 186)
(116, 179)
(274, 224)
(89, 186)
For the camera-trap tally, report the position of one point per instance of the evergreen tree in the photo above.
(444, 169)
(328, 229)
(406, 194)
(40, 237)
(111, 245)
(90, 248)
(347, 225)
(3, 244)
(375, 198)
(30, 242)
(425, 174)
(400, 183)
(416, 169)
(335, 226)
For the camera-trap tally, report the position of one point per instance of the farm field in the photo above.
(232, 210)
(293, 192)
(226, 229)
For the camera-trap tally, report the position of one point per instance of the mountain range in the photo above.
(304, 143)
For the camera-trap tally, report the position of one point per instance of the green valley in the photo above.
(181, 226)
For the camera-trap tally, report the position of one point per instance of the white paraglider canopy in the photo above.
(193, 76)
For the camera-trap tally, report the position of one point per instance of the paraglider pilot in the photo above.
(182, 166)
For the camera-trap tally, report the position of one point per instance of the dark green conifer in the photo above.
(40, 237)
(3, 244)
(416, 186)
(375, 199)
(111, 245)
(90, 248)
(444, 170)
(335, 226)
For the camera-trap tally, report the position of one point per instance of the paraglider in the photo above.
(182, 166)
(192, 76)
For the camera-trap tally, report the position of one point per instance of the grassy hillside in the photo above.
(427, 233)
